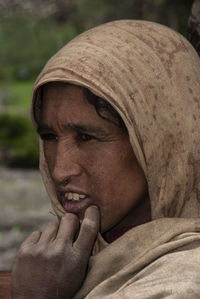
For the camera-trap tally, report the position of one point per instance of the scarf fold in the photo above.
(123, 268)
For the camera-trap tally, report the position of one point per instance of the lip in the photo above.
(73, 206)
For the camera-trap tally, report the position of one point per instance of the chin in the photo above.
(105, 228)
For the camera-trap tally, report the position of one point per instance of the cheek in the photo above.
(107, 169)
(120, 184)
(49, 154)
(106, 187)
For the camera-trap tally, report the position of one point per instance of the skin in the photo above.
(50, 264)
(83, 152)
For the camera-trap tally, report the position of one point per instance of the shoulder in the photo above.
(175, 275)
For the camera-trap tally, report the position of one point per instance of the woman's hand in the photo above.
(51, 264)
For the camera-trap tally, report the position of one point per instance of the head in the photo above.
(149, 75)
(89, 155)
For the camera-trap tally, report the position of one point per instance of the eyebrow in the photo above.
(42, 127)
(92, 129)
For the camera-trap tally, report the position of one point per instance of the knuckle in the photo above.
(40, 251)
(27, 248)
(58, 250)
(51, 224)
(23, 251)
(55, 254)
(36, 232)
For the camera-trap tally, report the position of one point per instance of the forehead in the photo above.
(66, 103)
(62, 99)
(56, 94)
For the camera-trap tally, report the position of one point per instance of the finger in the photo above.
(69, 225)
(32, 238)
(30, 241)
(49, 233)
(89, 230)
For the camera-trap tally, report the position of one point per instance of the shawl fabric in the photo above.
(150, 75)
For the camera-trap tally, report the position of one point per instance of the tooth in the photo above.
(70, 195)
(75, 196)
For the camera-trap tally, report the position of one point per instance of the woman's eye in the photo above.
(48, 136)
(85, 137)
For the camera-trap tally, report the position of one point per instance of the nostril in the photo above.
(60, 182)
(60, 177)
(65, 181)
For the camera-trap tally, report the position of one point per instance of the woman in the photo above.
(118, 112)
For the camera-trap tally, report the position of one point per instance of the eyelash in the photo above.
(51, 136)
(48, 136)
(88, 137)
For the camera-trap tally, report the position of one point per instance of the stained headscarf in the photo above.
(151, 76)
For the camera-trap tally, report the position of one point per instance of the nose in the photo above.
(66, 163)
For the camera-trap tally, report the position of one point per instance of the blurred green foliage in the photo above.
(16, 94)
(18, 141)
(173, 13)
(29, 38)
(28, 44)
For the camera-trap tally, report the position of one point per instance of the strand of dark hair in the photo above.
(103, 106)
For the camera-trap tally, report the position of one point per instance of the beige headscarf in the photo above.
(151, 76)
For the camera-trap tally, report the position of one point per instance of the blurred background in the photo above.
(31, 31)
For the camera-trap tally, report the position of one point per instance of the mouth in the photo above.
(74, 202)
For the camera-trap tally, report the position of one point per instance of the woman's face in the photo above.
(90, 159)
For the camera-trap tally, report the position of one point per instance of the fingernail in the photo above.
(93, 206)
